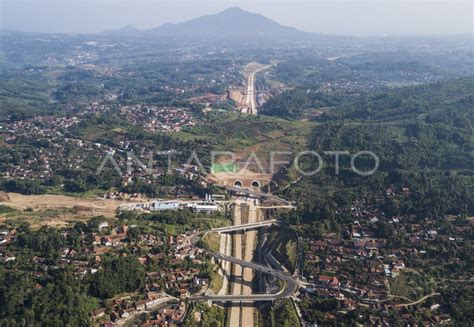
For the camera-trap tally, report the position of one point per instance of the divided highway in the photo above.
(251, 100)
(243, 269)
(251, 94)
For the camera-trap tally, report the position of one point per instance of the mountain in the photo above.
(230, 23)
(128, 30)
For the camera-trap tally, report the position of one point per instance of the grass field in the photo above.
(410, 285)
(291, 251)
(47, 217)
(6, 209)
(224, 168)
(213, 241)
(217, 281)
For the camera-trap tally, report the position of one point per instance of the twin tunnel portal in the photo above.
(254, 184)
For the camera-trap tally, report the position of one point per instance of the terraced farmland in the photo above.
(244, 130)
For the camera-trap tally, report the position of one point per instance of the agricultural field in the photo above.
(244, 130)
(229, 128)
(244, 135)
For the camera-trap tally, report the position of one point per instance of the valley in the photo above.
(224, 169)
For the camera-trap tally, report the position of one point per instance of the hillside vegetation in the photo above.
(422, 136)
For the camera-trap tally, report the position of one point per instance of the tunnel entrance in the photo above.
(255, 184)
(238, 183)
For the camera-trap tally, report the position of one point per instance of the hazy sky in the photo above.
(376, 17)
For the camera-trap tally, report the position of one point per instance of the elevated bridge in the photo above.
(290, 287)
(245, 227)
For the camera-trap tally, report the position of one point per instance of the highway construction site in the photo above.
(246, 98)
(251, 276)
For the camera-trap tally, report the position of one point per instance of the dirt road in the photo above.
(415, 302)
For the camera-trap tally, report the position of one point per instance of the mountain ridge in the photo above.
(231, 22)
(128, 30)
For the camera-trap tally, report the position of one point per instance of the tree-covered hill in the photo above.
(448, 102)
(422, 136)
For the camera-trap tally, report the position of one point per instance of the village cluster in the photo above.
(361, 268)
(164, 290)
(149, 117)
(56, 150)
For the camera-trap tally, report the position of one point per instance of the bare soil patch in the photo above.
(92, 206)
(4, 197)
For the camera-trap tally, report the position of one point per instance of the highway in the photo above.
(248, 311)
(251, 100)
(245, 227)
(237, 271)
(291, 284)
(242, 266)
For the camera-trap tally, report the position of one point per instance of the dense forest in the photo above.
(447, 102)
(294, 104)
